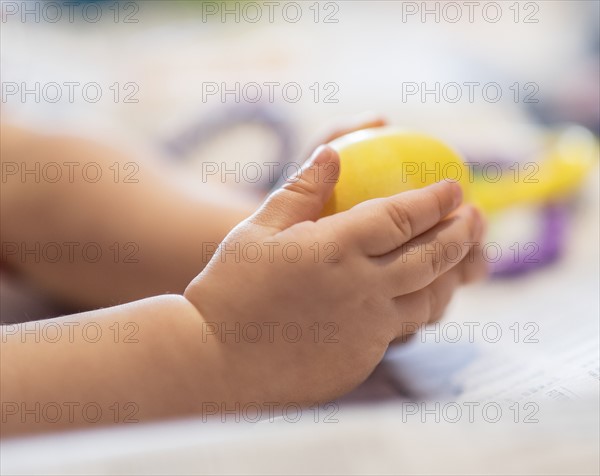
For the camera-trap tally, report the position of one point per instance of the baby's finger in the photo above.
(426, 305)
(366, 120)
(383, 225)
(356, 123)
(303, 197)
(473, 267)
(426, 257)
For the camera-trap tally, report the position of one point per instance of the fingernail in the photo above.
(478, 223)
(368, 117)
(457, 193)
(456, 189)
(321, 155)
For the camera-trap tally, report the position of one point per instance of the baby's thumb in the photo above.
(303, 196)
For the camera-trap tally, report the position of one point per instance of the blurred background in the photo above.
(163, 58)
(190, 81)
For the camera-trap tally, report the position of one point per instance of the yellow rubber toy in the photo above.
(569, 156)
(382, 162)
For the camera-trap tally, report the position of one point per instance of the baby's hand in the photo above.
(305, 307)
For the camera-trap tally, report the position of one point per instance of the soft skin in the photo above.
(165, 220)
(380, 280)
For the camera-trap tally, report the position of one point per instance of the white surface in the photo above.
(373, 441)
(368, 53)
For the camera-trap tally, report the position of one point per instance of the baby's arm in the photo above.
(153, 233)
(134, 362)
(147, 227)
(224, 342)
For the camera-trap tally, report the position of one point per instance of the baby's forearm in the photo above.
(135, 232)
(175, 355)
(135, 362)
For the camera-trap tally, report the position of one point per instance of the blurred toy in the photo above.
(384, 161)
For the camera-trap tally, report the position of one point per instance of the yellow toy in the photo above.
(384, 161)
